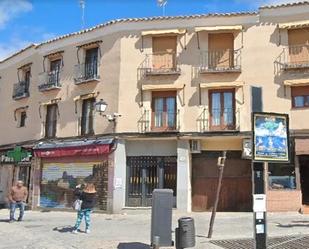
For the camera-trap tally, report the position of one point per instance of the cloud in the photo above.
(10, 9)
(9, 48)
(16, 43)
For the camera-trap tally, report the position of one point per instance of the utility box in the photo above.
(161, 217)
(185, 233)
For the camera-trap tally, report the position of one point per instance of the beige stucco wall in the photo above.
(122, 54)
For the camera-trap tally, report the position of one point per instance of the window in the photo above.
(281, 176)
(51, 121)
(222, 109)
(91, 63)
(164, 113)
(164, 53)
(300, 97)
(22, 120)
(87, 116)
(54, 74)
(27, 75)
(220, 50)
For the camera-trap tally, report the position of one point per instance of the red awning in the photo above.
(89, 150)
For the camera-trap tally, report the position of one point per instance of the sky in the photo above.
(23, 22)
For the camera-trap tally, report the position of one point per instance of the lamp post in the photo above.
(100, 107)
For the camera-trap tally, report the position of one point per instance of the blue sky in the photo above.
(31, 21)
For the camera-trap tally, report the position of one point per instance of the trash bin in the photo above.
(185, 233)
(161, 217)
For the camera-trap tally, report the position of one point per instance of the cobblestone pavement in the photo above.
(51, 230)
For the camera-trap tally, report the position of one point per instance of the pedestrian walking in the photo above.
(17, 198)
(87, 196)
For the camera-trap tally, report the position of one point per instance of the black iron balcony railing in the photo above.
(21, 90)
(49, 81)
(161, 63)
(224, 60)
(159, 121)
(294, 57)
(86, 72)
(219, 120)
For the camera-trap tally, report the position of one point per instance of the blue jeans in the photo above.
(80, 215)
(13, 206)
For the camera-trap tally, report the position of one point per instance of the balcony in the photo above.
(21, 90)
(218, 120)
(220, 61)
(294, 57)
(159, 122)
(86, 72)
(160, 64)
(49, 81)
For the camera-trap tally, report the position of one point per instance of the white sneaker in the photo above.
(75, 231)
(87, 230)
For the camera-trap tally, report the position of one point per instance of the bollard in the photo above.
(156, 242)
(185, 233)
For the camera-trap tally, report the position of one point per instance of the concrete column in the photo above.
(183, 176)
(119, 186)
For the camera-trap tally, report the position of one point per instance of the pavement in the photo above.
(131, 230)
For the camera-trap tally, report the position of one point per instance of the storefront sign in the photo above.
(17, 155)
(270, 137)
(73, 151)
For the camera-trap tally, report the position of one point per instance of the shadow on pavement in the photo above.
(295, 223)
(133, 245)
(4, 220)
(66, 229)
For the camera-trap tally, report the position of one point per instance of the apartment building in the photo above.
(184, 86)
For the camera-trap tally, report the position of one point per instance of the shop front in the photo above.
(64, 165)
(236, 191)
(15, 164)
(149, 165)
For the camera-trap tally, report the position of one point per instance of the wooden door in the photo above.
(164, 52)
(6, 181)
(221, 50)
(236, 192)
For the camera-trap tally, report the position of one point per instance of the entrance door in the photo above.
(6, 178)
(145, 173)
(236, 191)
(304, 176)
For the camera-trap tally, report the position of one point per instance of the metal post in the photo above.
(259, 205)
(221, 162)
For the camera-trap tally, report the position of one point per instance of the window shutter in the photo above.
(256, 96)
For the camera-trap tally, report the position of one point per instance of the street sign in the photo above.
(270, 137)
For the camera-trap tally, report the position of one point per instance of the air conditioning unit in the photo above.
(195, 146)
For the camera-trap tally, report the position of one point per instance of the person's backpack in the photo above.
(77, 205)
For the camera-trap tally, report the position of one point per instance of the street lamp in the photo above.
(100, 106)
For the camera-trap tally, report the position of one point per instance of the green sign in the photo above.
(18, 154)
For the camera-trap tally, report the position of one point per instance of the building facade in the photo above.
(185, 88)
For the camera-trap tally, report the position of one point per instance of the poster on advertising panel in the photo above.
(270, 137)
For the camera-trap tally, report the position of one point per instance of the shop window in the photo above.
(300, 97)
(281, 176)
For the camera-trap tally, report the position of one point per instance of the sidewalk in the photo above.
(51, 230)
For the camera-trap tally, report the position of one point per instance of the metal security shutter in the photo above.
(60, 179)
